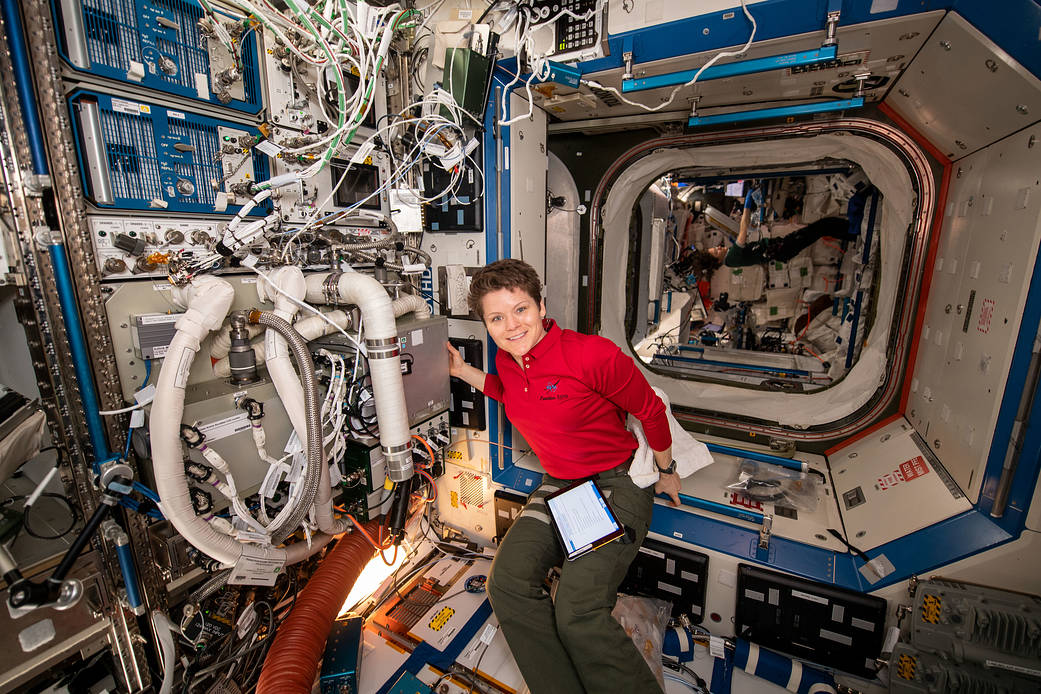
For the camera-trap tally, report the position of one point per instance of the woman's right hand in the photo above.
(455, 361)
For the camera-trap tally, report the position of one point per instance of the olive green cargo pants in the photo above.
(574, 644)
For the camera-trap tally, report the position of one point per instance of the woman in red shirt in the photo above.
(569, 395)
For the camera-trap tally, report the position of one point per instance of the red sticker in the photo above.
(915, 467)
(986, 315)
(908, 470)
(739, 499)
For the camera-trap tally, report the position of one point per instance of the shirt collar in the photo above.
(551, 338)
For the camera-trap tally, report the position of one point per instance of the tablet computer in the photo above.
(582, 518)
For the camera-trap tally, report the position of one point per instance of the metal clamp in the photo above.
(861, 78)
(832, 28)
(382, 348)
(764, 531)
(330, 291)
(627, 58)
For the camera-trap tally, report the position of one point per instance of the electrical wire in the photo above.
(676, 90)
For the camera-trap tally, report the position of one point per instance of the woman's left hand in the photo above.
(670, 486)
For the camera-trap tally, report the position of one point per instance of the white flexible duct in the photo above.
(279, 365)
(413, 303)
(309, 328)
(208, 300)
(164, 633)
(381, 342)
(290, 280)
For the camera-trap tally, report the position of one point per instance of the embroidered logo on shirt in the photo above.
(551, 393)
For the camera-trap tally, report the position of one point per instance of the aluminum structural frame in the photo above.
(42, 194)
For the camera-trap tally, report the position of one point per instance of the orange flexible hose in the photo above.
(291, 664)
(426, 445)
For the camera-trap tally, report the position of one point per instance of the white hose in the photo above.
(411, 302)
(164, 632)
(290, 280)
(381, 337)
(208, 300)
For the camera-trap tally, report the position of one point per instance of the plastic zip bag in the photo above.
(769, 483)
(644, 620)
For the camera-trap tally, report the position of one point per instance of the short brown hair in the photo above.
(507, 273)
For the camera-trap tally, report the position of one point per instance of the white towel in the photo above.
(690, 454)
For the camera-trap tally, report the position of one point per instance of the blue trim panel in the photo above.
(717, 507)
(143, 163)
(519, 479)
(78, 346)
(24, 82)
(964, 535)
(742, 67)
(778, 112)
(789, 463)
(117, 33)
(491, 252)
(786, 555)
(939, 544)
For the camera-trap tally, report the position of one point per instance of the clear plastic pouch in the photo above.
(769, 483)
(644, 620)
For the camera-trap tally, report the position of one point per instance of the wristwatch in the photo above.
(667, 470)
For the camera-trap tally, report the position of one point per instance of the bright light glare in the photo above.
(374, 573)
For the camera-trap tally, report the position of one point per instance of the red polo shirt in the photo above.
(570, 401)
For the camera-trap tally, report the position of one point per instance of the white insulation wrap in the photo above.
(280, 368)
(885, 170)
(378, 323)
(208, 300)
(411, 303)
(279, 364)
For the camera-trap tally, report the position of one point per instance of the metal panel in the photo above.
(134, 298)
(562, 227)
(992, 228)
(882, 48)
(151, 157)
(958, 65)
(527, 164)
(887, 488)
(157, 44)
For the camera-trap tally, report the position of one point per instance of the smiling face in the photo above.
(513, 320)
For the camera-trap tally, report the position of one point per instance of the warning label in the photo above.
(915, 467)
(908, 470)
(986, 316)
(745, 501)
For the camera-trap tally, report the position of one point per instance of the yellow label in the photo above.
(905, 667)
(455, 499)
(931, 606)
(441, 618)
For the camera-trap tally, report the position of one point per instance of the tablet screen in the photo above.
(582, 518)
